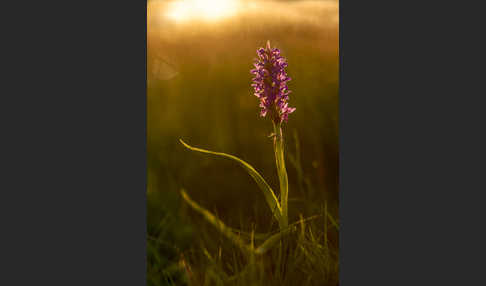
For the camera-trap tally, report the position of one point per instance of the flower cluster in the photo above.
(270, 84)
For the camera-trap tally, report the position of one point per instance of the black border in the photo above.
(410, 120)
(74, 143)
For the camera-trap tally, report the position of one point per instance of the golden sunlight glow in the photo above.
(210, 10)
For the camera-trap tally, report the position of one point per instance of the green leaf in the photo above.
(273, 240)
(225, 230)
(229, 232)
(267, 191)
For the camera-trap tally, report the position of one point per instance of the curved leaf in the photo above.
(267, 191)
(229, 232)
(273, 240)
(225, 230)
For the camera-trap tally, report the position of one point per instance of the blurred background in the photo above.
(199, 54)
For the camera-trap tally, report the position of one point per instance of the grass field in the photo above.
(198, 90)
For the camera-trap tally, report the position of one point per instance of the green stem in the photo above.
(278, 145)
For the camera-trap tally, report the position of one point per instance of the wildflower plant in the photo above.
(270, 86)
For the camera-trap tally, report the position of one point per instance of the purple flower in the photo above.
(270, 84)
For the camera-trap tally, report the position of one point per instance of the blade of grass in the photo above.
(225, 230)
(333, 221)
(267, 191)
(257, 236)
(216, 267)
(273, 240)
(228, 232)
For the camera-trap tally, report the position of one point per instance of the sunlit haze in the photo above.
(183, 10)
